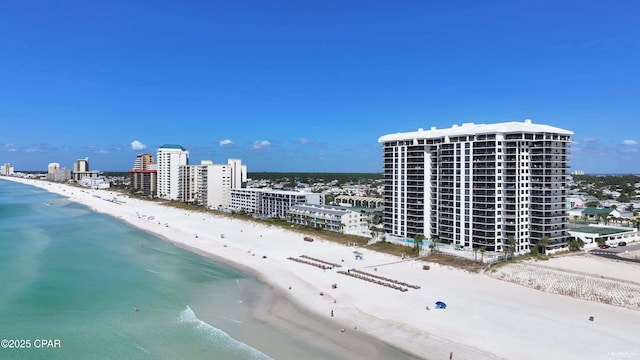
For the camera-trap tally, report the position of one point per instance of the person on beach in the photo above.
(135, 307)
(331, 313)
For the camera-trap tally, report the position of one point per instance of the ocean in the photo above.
(72, 279)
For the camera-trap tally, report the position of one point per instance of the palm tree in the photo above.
(417, 242)
(482, 250)
(511, 247)
(544, 242)
(434, 243)
(475, 254)
(576, 244)
(604, 217)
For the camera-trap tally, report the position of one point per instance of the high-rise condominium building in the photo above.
(210, 184)
(144, 175)
(56, 173)
(81, 165)
(143, 161)
(478, 185)
(52, 168)
(170, 158)
(6, 169)
(81, 170)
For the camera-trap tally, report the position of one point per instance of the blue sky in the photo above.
(310, 85)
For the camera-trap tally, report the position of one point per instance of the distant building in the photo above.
(95, 182)
(81, 170)
(58, 174)
(143, 161)
(210, 184)
(359, 201)
(478, 185)
(170, 158)
(144, 175)
(52, 167)
(270, 202)
(578, 172)
(326, 217)
(219, 179)
(81, 165)
(6, 170)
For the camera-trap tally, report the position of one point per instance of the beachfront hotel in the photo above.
(170, 158)
(56, 173)
(6, 170)
(210, 184)
(478, 185)
(144, 175)
(268, 202)
(81, 170)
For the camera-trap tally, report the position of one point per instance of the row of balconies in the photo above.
(547, 172)
(484, 179)
(549, 220)
(484, 145)
(546, 208)
(479, 192)
(548, 157)
(484, 235)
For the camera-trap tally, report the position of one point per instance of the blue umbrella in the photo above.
(441, 305)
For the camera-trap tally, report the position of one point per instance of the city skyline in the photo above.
(310, 87)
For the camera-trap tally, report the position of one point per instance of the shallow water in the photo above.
(74, 276)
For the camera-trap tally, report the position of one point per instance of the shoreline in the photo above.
(299, 323)
(482, 311)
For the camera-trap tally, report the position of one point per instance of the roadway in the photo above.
(614, 252)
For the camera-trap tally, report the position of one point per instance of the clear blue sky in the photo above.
(310, 85)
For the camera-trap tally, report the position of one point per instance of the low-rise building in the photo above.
(95, 182)
(327, 217)
(611, 235)
(270, 202)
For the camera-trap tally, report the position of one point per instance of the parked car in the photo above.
(604, 246)
(622, 243)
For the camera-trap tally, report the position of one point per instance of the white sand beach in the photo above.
(486, 318)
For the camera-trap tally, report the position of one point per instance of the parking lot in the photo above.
(616, 252)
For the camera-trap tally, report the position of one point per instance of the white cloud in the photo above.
(137, 145)
(225, 142)
(303, 141)
(629, 142)
(11, 147)
(261, 144)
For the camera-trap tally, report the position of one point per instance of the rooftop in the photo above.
(596, 211)
(474, 129)
(600, 230)
(172, 146)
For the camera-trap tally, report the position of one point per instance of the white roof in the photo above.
(473, 129)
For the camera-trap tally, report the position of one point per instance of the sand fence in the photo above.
(582, 286)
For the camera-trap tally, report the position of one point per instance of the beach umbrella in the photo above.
(441, 305)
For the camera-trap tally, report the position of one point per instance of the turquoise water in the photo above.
(73, 277)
